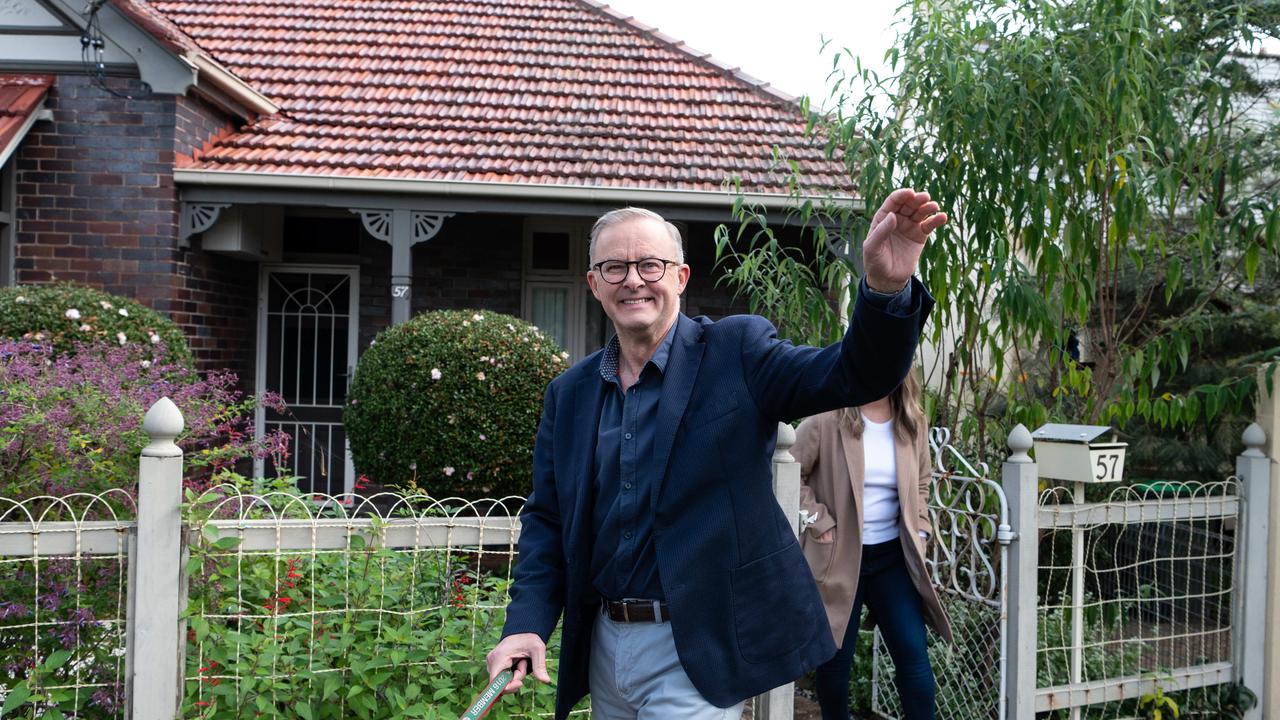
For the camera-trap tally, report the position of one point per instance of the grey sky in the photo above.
(778, 41)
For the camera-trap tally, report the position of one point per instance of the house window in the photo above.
(556, 297)
(8, 224)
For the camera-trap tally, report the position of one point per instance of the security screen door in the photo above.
(307, 329)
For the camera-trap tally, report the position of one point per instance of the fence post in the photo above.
(1268, 412)
(1020, 478)
(779, 703)
(1253, 469)
(154, 607)
(786, 476)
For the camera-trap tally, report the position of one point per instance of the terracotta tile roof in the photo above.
(20, 96)
(562, 92)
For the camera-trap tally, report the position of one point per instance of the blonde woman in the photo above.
(866, 472)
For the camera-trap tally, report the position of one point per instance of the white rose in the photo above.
(72, 314)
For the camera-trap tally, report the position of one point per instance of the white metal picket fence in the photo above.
(1119, 600)
(1061, 608)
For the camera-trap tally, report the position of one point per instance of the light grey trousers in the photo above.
(636, 675)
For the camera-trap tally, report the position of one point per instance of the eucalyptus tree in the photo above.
(1108, 198)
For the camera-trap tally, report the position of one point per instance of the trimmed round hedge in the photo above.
(448, 403)
(62, 315)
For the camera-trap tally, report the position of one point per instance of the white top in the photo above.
(879, 483)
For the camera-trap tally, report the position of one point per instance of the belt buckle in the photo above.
(654, 605)
(626, 607)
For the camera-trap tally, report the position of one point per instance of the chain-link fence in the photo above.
(965, 556)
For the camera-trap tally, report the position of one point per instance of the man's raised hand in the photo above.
(892, 249)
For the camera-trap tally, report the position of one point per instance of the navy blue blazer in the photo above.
(745, 612)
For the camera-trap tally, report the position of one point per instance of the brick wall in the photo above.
(96, 205)
(197, 124)
(215, 296)
(95, 198)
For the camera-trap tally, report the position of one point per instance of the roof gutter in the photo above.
(226, 81)
(39, 112)
(509, 190)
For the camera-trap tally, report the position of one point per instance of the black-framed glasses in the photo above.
(649, 269)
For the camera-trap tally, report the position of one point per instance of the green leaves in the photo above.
(449, 403)
(1102, 190)
(368, 632)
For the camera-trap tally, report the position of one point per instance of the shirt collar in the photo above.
(609, 361)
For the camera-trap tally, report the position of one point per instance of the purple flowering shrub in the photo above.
(72, 423)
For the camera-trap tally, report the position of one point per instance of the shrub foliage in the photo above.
(449, 402)
(64, 315)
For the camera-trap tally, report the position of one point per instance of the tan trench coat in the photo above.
(831, 470)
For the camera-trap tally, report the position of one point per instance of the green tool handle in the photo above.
(489, 697)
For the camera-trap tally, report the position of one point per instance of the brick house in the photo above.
(285, 179)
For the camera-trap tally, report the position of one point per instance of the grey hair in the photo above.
(627, 214)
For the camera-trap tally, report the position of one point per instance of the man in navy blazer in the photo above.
(652, 527)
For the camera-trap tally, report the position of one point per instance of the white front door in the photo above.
(307, 329)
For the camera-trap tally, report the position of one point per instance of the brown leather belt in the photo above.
(632, 610)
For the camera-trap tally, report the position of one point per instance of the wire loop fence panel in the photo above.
(1136, 599)
(345, 606)
(64, 564)
(965, 556)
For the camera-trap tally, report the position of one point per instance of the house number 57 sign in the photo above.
(399, 291)
(1108, 463)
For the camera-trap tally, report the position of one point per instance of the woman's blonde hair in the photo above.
(908, 412)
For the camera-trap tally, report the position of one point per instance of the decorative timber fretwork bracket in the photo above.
(402, 229)
(197, 217)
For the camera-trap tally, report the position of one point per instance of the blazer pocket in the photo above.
(770, 615)
(819, 556)
(720, 408)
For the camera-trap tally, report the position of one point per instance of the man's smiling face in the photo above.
(638, 308)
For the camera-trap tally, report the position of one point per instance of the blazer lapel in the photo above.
(677, 387)
(588, 400)
(906, 470)
(855, 461)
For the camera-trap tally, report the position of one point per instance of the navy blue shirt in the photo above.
(624, 562)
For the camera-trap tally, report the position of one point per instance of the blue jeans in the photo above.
(886, 588)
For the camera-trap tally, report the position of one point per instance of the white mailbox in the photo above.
(1075, 453)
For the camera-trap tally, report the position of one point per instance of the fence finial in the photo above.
(1254, 438)
(163, 423)
(786, 438)
(1020, 443)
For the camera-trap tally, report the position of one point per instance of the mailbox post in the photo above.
(1077, 454)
